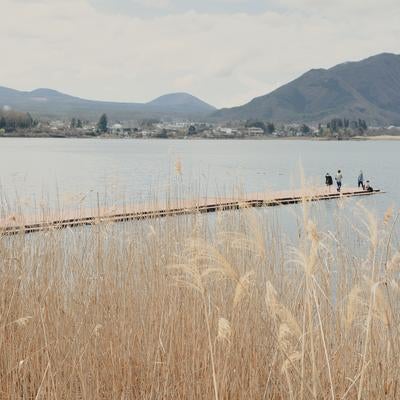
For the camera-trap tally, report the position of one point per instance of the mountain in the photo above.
(367, 89)
(48, 103)
(182, 102)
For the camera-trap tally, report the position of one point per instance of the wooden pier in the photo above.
(16, 224)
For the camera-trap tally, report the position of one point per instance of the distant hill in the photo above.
(47, 103)
(181, 102)
(367, 89)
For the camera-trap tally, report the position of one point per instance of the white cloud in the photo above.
(225, 58)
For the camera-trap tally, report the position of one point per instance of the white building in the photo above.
(117, 129)
(253, 130)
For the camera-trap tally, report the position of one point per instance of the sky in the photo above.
(224, 51)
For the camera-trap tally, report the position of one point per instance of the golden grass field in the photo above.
(200, 307)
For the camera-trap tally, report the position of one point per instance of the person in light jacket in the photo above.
(368, 187)
(339, 179)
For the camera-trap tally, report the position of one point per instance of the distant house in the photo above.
(227, 132)
(57, 125)
(117, 129)
(253, 131)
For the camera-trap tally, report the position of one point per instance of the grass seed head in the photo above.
(23, 321)
(224, 330)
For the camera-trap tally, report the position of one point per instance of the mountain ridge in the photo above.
(367, 89)
(50, 103)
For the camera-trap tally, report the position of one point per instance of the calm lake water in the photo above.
(59, 172)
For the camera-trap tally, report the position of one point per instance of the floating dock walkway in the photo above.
(16, 224)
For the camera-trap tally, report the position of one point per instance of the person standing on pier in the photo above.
(328, 180)
(361, 180)
(339, 178)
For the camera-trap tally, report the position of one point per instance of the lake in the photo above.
(65, 172)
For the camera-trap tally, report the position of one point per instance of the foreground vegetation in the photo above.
(200, 308)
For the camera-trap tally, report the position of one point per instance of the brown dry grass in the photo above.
(193, 308)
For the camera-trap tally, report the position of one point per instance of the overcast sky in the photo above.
(223, 51)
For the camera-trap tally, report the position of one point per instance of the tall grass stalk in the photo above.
(203, 307)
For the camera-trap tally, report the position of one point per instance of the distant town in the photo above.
(17, 124)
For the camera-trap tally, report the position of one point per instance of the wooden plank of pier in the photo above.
(14, 224)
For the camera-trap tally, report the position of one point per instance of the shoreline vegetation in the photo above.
(18, 124)
(43, 135)
(377, 137)
(201, 308)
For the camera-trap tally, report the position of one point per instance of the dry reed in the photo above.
(199, 308)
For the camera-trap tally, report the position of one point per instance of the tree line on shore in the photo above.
(101, 126)
(11, 120)
(335, 126)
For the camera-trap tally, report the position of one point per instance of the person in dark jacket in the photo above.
(361, 180)
(328, 180)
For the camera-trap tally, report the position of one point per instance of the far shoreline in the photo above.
(266, 138)
(378, 137)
